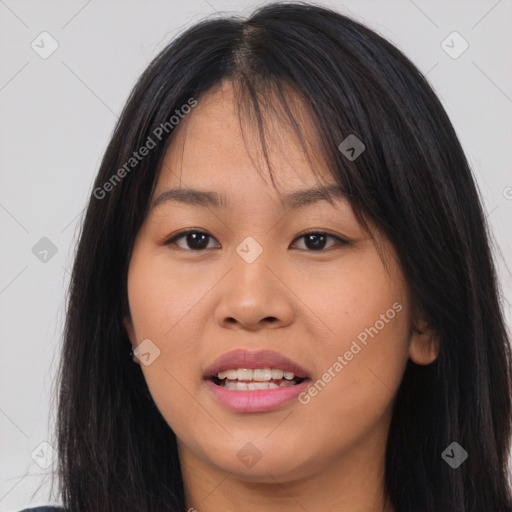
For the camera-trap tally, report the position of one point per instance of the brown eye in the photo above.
(194, 240)
(316, 240)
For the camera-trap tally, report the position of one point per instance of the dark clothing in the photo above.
(42, 509)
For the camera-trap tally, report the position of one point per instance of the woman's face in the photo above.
(249, 281)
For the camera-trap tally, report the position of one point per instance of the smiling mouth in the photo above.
(245, 379)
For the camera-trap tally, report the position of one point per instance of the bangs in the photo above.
(270, 106)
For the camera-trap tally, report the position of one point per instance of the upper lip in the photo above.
(242, 358)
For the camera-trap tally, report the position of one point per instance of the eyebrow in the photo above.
(206, 198)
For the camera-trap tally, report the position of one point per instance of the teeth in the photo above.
(253, 386)
(228, 374)
(259, 374)
(262, 374)
(244, 374)
(277, 374)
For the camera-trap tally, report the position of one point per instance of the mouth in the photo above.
(253, 379)
(260, 381)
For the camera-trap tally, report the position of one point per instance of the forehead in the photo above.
(219, 146)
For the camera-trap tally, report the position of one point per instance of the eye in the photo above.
(316, 240)
(199, 240)
(195, 240)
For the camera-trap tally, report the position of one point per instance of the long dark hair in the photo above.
(412, 182)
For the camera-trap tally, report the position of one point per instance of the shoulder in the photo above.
(43, 509)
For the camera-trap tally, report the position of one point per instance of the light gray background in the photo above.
(56, 118)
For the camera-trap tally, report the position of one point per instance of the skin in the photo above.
(194, 306)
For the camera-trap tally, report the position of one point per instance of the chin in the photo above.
(261, 461)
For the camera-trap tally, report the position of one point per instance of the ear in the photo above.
(424, 346)
(127, 323)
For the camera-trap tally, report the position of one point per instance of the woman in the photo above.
(286, 233)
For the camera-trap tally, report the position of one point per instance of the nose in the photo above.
(255, 296)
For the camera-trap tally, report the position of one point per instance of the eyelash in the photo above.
(182, 234)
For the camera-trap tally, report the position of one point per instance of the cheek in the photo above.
(163, 306)
(359, 298)
(165, 298)
(350, 401)
(360, 362)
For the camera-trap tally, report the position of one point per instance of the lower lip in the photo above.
(260, 400)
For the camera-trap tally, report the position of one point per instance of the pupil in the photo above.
(315, 238)
(192, 239)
